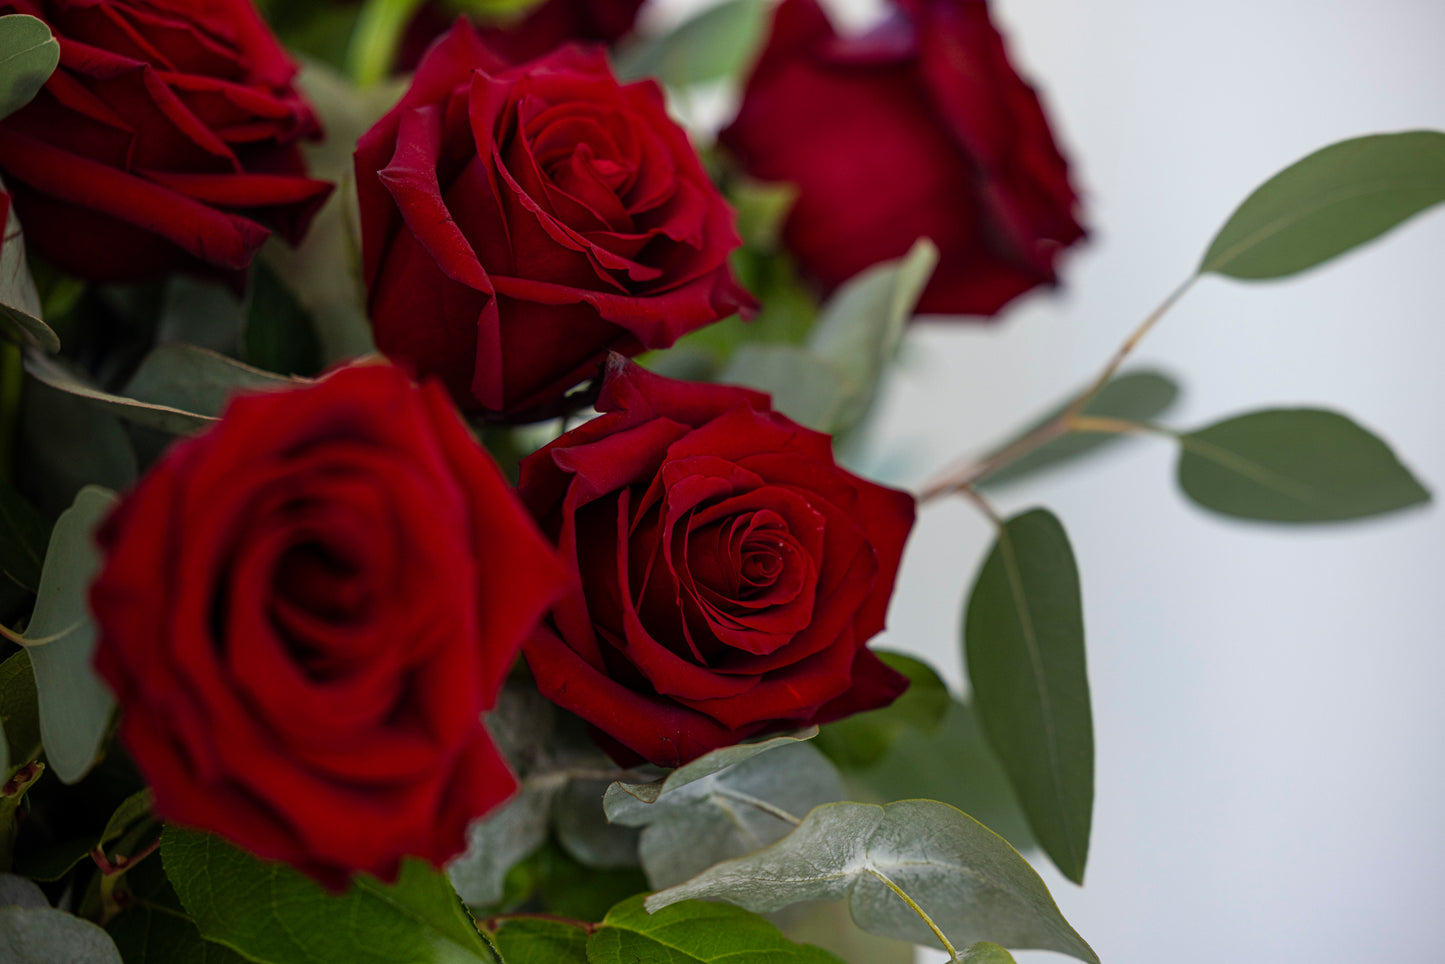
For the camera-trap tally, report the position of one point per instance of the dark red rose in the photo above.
(304, 612)
(917, 128)
(166, 139)
(727, 573)
(542, 30)
(517, 223)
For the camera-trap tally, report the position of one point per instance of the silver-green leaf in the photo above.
(29, 54)
(967, 879)
(1331, 201)
(717, 43)
(20, 317)
(44, 935)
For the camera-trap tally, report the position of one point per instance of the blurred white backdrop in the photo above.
(1267, 701)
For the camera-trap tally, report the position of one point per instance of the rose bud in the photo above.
(303, 613)
(166, 139)
(918, 128)
(517, 223)
(726, 572)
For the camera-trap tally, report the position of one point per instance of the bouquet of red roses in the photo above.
(482, 569)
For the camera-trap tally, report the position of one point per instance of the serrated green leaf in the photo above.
(19, 714)
(271, 913)
(29, 54)
(74, 704)
(969, 881)
(20, 315)
(278, 335)
(694, 933)
(534, 941)
(197, 380)
(1136, 396)
(43, 935)
(24, 534)
(1294, 465)
(717, 43)
(1331, 201)
(1024, 646)
(145, 934)
(863, 739)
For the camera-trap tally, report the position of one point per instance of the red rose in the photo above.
(304, 612)
(167, 138)
(518, 223)
(545, 27)
(727, 572)
(920, 128)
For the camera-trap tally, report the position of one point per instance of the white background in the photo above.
(1267, 701)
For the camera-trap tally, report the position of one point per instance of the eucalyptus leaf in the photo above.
(68, 442)
(271, 913)
(130, 821)
(1294, 465)
(19, 714)
(583, 830)
(829, 925)
(530, 940)
(861, 740)
(496, 843)
(166, 418)
(809, 390)
(969, 881)
(1331, 201)
(197, 380)
(24, 533)
(715, 44)
(984, 953)
(74, 704)
(693, 933)
(208, 314)
(1136, 396)
(278, 334)
(16, 891)
(20, 315)
(29, 54)
(1024, 646)
(43, 935)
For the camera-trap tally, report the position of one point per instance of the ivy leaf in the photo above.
(1024, 645)
(536, 941)
(271, 913)
(19, 299)
(1331, 201)
(724, 804)
(1294, 465)
(1136, 396)
(74, 704)
(43, 935)
(717, 43)
(29, 54)
(693, 933)
(969, 881)
(861, 740)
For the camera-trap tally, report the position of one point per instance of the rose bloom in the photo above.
(518, 223)
(541, 30)
(166, 139)
(726, 572)
(304, 612)
(918, 128)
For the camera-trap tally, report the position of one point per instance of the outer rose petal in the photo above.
(303, 612)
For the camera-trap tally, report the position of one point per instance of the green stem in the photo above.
(942, 939)
(762, 805)
(12, 377)
(1117, 426)
(375, 39)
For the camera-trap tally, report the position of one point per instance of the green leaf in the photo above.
(724, 804)
(19, 300)
(497, 843)
(810, 390)
(28, 56)
(197, 380)
(535, 941)
(24, 533)
(271, 913)
(694, 933)
(149, 934)
(278, 335)
(716, 44)
(831, 927)
(953, 764)
(1138, 396)
(207, 314)
(1024, 645)
(762, 207)
(19, 715)
(43, 935)
(376, 37)
(66, 443)
(74, 704)
(167, 418)
(969, 881)
(863, 739)
(1294, 465)
(1328, 203)
(984, 953)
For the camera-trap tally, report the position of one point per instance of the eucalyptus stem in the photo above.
(376, 38)
(1124, 350)
(942, 938)
(12, 376)
(763, 805)
(1117, 426)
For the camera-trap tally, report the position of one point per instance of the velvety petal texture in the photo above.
(917, 128)
(304, 612)
(726, 572)
(166, 139)
(518, 223)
